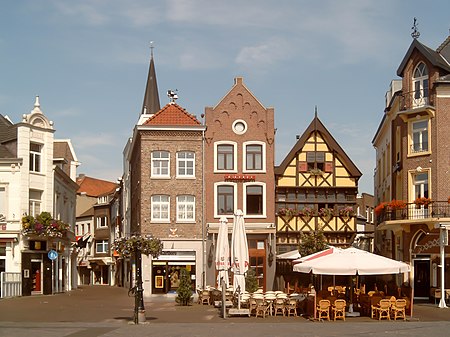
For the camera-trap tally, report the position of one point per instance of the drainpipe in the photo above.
(443, 241)
(203, 212)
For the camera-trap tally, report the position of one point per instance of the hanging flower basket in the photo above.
(287, 213)
(326, 213)
(43, 225)
(306, 213)
(346, 213)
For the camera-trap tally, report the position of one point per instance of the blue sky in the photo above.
(88, 62)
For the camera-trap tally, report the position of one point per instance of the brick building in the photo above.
(412, 182)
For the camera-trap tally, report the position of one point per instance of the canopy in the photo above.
(351, 261)
(292, 255)
(222, 252)
(239, 251)
(314, 255)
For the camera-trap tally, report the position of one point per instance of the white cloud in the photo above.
(91, 142)
(264, 54)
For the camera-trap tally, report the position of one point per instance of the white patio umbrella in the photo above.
(222, 252)
(239, 251)
(351, 261)
(291, 255)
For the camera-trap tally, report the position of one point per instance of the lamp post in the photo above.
(443, 241)
(139, 309)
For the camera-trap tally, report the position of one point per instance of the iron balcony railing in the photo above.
(436, 209)
(416, 99)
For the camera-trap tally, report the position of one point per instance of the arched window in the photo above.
(420, 85)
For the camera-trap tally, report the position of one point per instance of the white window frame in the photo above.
(185, 161)
(264, 200)
(35, 204)
(263, 156)
(420, 83)
(160, 166)
(418, 186)
(185, 208)
(412, 132)
(103, 244)
(36, 158)
(216, 145)
(102, 221)
(216, 196)
(160, 205)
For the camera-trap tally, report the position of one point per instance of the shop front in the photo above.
(166, 271)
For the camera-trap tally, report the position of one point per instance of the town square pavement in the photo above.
(92, 311)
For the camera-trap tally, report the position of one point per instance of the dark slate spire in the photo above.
(151, 98)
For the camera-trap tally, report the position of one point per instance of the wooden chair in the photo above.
(252, 304)
(262, 308)
(339, 309)
(205, 297)
(374, 301)
(384, 309)
(279, 306)
(323, 309)
(291, 307)
(399, 309)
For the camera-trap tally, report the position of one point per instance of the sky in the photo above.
(88, 62)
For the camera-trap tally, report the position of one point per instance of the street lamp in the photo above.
(139, 309)
(443, 241)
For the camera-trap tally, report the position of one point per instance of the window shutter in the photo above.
(328, 166)
(303, 166)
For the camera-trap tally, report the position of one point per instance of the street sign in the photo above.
(52, 254)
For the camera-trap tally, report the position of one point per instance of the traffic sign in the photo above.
(52, 254)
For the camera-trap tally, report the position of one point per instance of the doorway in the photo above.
(422, 278)
(36, 276)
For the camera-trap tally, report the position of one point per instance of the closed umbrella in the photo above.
(222, 252)
(239, 252)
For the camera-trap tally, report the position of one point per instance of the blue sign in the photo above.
(52, 255)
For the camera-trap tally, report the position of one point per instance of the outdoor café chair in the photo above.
(280, 306)
(339, 309)
(291, 307)
(323, 309)
(205, 296)
(399, 309)
(262, 308)
(384, 309)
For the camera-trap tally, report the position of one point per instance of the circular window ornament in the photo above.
(239, 127)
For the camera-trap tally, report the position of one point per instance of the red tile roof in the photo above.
(172, 114)
(95, 187)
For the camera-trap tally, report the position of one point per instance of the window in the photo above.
(3, 211)
(102, 199)
(420, 85)
(225, 199)
(419, 136)
(315, 160)
(254, 200)
(185, 164)
(225, 157)
(160, 164)
(160, 208)
(421, 185)
(35, 157)
(185, 208)
(102, 221)
(35, 202)
(253, 157)
(101, 246)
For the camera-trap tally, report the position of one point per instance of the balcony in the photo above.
(416, 99)
(435, 210)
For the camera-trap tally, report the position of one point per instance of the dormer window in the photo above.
(420, 85)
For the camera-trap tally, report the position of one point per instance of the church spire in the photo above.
(151, 98)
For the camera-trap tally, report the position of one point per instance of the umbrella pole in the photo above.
(224, 305)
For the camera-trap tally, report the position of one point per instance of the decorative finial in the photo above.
(36, 102)
(315, 111)
(415, 34)
(151, 48)
(172, 95)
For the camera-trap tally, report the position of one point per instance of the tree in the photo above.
(184, 291)
(251, 282)
(312, 242)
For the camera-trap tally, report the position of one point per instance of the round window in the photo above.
(239, 127)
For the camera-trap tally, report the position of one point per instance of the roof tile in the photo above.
(172, 114)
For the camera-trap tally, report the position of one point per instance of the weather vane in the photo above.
(415, 34)
(172, 94)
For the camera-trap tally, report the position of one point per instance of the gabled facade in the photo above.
(165, 159)
(94, 230)
(316, 184)
(32, 181)
(239, 163)
(411, 145)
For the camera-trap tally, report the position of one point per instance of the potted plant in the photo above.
(287, 213)
(397, 204)
(306, 212)
(381, 207)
